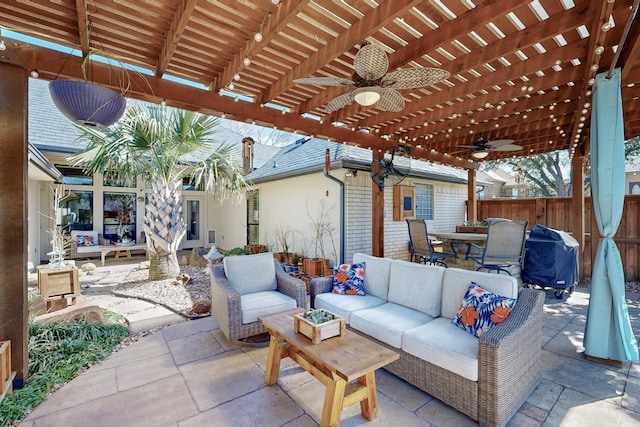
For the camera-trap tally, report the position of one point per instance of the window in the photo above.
(74, 176)
(511, 192)
(120, 217)
(189, 183)
(109, 182)
(424, 201)
(76, 211)
(253, 218)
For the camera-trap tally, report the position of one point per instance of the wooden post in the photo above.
(377, 209)
(472, 202)
(13, 215)
(578, 206)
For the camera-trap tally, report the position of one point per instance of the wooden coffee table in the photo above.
(336, 362)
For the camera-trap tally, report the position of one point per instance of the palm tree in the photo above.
(163, 145)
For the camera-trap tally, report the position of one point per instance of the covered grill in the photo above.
(551, 260)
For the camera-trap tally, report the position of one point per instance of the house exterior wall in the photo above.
(449, 211)
(229, 219)
(288, 205)
(632, 184)
(34, 213)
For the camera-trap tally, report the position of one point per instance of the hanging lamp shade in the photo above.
(86, 103)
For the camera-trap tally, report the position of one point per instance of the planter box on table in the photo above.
(319, 331)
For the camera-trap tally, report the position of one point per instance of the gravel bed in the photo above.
(179, 298)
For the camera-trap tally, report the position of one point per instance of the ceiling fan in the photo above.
(482, 147)
(374, 88)
(393, 168)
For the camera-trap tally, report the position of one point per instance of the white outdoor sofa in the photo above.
(409, 307)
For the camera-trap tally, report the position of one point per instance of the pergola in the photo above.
(520, 70)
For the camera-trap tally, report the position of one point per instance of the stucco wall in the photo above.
(289, 205)
(34, 218)
(229, 219)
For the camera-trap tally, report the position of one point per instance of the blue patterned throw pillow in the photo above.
(85, 240)
(480, 310)
(348, 279)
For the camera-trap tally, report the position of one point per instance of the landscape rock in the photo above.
(83, 309)
(184, 261)
(201, 306)
(197, 259)
(88, 267)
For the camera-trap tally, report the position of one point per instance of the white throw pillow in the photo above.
(376, 274)
(251, 273)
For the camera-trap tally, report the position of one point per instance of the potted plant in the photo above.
(319, 324)
(86, 103)
(477, 227)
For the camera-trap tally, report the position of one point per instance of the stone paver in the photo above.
(188, 374)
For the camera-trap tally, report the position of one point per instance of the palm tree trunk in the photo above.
(164, 227)
(163, 265)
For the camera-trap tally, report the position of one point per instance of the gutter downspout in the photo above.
(325, 170)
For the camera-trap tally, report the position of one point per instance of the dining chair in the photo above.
(504, 247)
(421, 246)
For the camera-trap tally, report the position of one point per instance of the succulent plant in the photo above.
(319, 316)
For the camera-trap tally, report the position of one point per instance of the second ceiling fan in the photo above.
(482, 147)
(373, 87)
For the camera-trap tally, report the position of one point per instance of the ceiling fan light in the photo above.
(481, 154)
(366, 96)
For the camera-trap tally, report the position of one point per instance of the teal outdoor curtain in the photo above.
(608, 333)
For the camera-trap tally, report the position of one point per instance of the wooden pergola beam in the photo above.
(179, 23)
(364, 27)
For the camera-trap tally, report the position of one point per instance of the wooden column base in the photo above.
(610, 362)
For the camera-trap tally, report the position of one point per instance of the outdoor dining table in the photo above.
(452, 236)
(460, 243)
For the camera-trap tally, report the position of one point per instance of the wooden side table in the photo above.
(58, 283)
(346, 365)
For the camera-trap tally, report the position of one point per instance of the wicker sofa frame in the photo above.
(508, 364)
(225, 301)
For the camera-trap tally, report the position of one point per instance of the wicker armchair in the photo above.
(229, 293)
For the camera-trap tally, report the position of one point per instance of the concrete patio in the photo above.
(188, 374)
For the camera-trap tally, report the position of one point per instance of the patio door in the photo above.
(192, 208)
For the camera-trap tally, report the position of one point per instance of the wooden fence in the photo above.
(556, 213)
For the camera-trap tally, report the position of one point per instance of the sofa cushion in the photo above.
(251, 273)
(376, 274)
(344, 305)
(416, 286)
(388, 322)
(443, 344)
(348, 279)
(481, 310)
(259, 304)
(456, 282)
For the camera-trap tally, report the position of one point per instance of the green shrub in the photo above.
(238, 251)
(57, 353)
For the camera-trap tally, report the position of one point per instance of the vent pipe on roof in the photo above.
(247, 155)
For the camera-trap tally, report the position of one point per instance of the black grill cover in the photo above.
(551, 258)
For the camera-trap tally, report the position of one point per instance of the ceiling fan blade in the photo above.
(339, 102)
(390, 100)
(324, 81)
(409, 78)
(499, 143)
(507, 147)
(371, 62)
